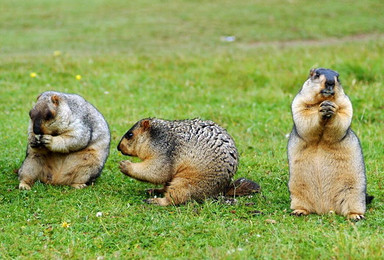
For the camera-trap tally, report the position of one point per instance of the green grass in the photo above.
(167, 59)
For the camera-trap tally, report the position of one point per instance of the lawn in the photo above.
(238, 63)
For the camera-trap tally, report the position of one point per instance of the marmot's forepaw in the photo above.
(24, 186)
(327, 109)
(355, 217)
(79, 185)
(35, 141)
(46, 139)
(158, 201)
(299, 212)
(125, 167)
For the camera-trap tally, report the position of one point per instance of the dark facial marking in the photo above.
(37, 126)
(38, 116)
(329, 75)
(37, 119)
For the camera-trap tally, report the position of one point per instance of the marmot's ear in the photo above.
(38, 97)
(145, 124)
(312, 72)
(55, 99)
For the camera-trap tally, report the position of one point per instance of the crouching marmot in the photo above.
(326, 164)
(193, 159)
(68, 142)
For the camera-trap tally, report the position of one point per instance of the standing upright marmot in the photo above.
(326, 163)
(193, 159)
(68, 142)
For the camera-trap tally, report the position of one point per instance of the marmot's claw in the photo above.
(45, 139)
(355, 217)
(24, 186)
(299, 212)
(79, 185)
(158, 201)
(152, 201)
(327, 103)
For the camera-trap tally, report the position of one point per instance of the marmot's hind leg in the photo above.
(299, 206)
(29, 172)
(189, 185)
(300, 212)
(353, 206)
(82, 169)
(84, 176)
(178, 192)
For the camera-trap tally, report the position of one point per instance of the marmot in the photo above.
(68, 142)
(326, 165)
(193, 159)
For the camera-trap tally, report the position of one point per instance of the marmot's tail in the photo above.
(242, 187)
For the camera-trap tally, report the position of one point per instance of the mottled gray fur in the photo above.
(68, 142)
(203, 142)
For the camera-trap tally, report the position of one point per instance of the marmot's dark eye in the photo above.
(49, 116)
(317, 75)
(128, 135)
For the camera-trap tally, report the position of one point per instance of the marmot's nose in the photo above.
(329, 84)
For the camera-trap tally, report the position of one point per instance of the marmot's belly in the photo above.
(322, 177)
(63, 169)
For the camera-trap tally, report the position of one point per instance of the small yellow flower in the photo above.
(56, 53)
(65, 224)
(33, 74)
(78, 77)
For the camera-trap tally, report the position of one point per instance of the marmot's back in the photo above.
(202, 143)
(89, 116)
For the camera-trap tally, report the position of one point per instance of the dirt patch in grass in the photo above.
(317, 42)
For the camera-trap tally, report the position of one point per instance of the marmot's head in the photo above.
(322, 83)
(135, 141)
(43, 114)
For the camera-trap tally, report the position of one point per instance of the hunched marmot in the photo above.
(68, 142)
(327, 172)
(193, 159)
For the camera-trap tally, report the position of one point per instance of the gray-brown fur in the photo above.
(68, 142)
(327, 172)
(193, 159)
